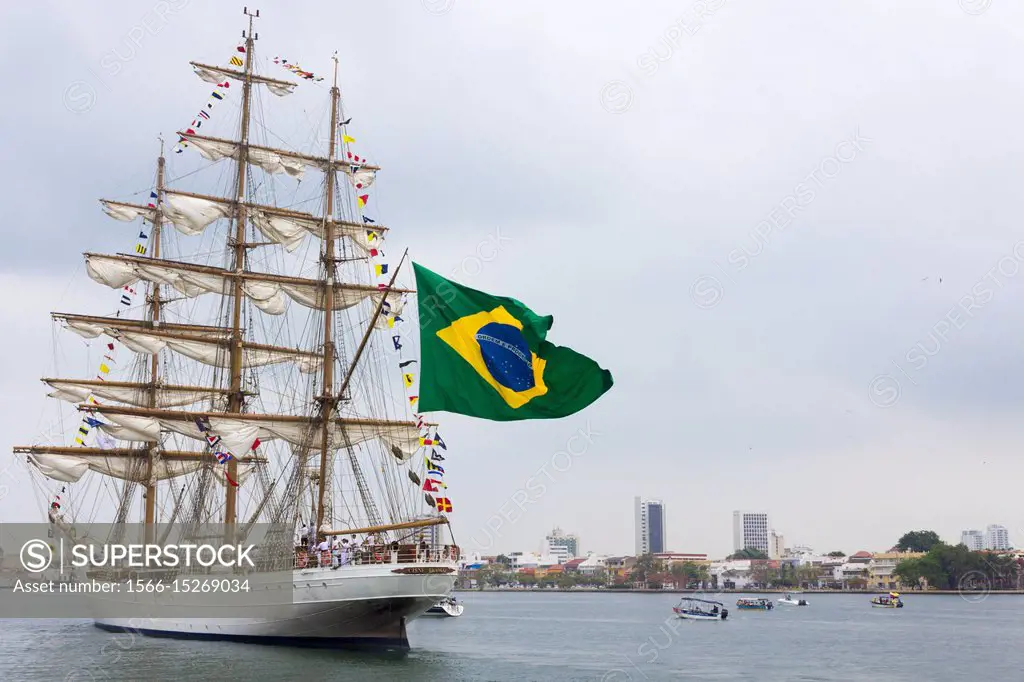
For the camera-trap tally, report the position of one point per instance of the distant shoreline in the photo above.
(966, 594)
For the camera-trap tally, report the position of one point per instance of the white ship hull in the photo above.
(352, 607)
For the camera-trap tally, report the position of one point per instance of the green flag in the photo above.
(486, 356)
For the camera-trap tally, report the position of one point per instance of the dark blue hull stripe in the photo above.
(307, 642)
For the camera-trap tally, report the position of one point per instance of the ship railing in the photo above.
(377, 554)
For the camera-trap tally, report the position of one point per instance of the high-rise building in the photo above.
(973, 539)
(650, 526)
(997, 537)
(776, 545)
(750, 531)
(562, 546)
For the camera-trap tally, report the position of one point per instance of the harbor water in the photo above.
(578, 636)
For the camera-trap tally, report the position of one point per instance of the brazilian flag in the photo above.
(486, 356)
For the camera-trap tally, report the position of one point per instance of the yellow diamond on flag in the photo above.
(462, 335)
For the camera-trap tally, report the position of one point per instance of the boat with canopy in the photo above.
(700, 609)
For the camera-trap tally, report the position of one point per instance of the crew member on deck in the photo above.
(356, 545)
(323, 551)
(424, 549)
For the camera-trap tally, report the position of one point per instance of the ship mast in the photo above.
(328, 401)
(236, 395)
(154, 367)
(140, 411)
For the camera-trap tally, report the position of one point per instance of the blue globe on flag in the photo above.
(506, 355)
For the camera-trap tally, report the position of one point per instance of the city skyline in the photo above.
(599, 548)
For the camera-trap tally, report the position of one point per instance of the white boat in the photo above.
(790, 601)
(700, 609)
(276, 444)
(446, 607)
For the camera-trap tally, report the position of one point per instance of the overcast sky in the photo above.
(743, 210)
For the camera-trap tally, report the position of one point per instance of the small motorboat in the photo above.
(788, 599)
(887, 601)
(755, 604)
(700, 609)
(446, 607)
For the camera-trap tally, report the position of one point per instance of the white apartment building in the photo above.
(973, 539)
(561, 545)
(750, 530)
(997, 537)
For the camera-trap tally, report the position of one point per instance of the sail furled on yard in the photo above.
(126, 212)
(207, 347)
(191, 214)
(128, 393)
(70, 468)
(217, 74)
(269, 159)
(240, 431)
(269, 293)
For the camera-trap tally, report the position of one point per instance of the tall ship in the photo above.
(257, 369)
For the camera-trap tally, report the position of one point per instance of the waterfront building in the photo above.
(850, 574)
(824, 575)
(670, 558)
(880, 569)
(730, 575)
(974, 540)
(592, 564)
(520, 560)
(561, 545)
(997, 538)
(750, 531)
(649, 517)
(619, 567)
(853, 572)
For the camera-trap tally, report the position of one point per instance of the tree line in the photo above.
(943, 566)
(954, 567)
